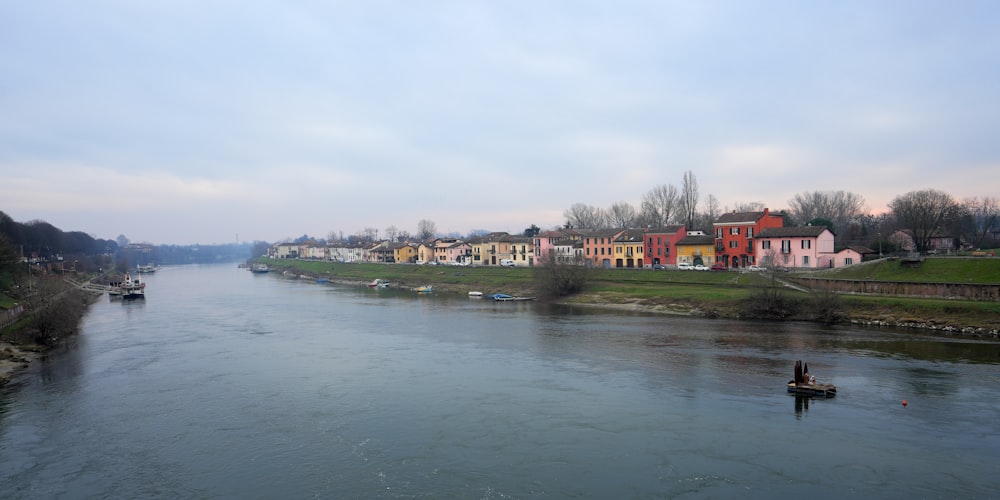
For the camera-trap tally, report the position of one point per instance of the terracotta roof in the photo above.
(665, 229)
(793, 232)
(739, 217)
(697, 240)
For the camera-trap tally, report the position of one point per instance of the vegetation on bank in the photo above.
(711, 294)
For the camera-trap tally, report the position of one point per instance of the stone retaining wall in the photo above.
(965, 291)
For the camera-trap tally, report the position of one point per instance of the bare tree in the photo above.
(391, 233)
(426, 230)
(621, 215)
(689, 199)
(368, 234)
(982, 217)
(749, 206)
(712, 212)
(925, 214)
(659, 205)
(839, 207)
(585, 216)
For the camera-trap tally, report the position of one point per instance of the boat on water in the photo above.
(804, 384)
(425, 289)
(130, 289)
(503, 297)
(378, 283)
(475, 294)
(259, 268)
(147, 269)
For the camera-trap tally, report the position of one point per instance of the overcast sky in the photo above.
(179, 122)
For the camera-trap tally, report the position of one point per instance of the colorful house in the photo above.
(696, 249)
(661, 244)
(405, 252)
(627, 249)
(735, 232)
(598, 247)
(796, 247)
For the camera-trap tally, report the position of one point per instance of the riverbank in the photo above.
(700, 294)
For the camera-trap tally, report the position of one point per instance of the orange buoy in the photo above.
(904, 402)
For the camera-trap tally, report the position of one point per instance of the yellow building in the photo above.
(696, 249)
(627, 249)
(405, 253)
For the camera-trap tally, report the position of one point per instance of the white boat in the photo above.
(147, 269)
(259, 268)
(475, 294)
(131, 288)
(378, 283)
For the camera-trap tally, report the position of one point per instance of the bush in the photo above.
(554, 280)
(769, 302)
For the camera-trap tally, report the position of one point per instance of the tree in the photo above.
(925, 214)
(391, 233)
(839, 207)
(659, 205)
(689, 199)
(368, 234)
(426, 230)
(532, 231)
(982, 217)
(554, 279)
(585, 216)
(621, 215)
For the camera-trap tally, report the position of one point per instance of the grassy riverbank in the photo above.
(709, 294)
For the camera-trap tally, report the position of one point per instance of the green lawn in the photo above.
(931, 270)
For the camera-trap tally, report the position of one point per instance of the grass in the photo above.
(932, 270)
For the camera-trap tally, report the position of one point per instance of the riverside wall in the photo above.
(989, 292)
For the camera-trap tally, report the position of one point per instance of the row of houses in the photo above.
(740, 240)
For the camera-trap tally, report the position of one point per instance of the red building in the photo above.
(661, 244)
(734, 234)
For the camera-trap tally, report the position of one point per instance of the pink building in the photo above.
(795, 247)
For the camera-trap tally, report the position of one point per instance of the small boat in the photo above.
(378, 283)
(476, 294)
(259, 268)
(805, 385)
(425, 289)
(147, 269)
(503, 297)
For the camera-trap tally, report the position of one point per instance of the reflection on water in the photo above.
(225, 384)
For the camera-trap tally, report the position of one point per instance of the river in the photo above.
(226, 384)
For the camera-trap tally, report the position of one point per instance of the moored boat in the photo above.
(425, 289)
(131, 288)
(259, 268)
(503, 297)
(378, 283)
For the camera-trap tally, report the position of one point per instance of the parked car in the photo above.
(755, 268)
(684, 266)
(701, 267)
(658, 266)
(506, 263)
(718, 266)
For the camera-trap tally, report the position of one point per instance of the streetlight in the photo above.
(880, 244)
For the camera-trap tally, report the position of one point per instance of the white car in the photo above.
(755, 268)
(684, 266)
(701, 267)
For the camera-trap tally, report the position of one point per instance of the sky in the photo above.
(207, 122)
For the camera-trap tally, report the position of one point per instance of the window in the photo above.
(749, 232)
(786, 246)
(806, 244)
(765, 245)
(718, 233)
(734, 231)
(848, 261)
(805, 261)
(734, 244)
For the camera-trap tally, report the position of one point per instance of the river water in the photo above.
(225, 384)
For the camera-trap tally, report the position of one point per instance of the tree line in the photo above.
(925, 214)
